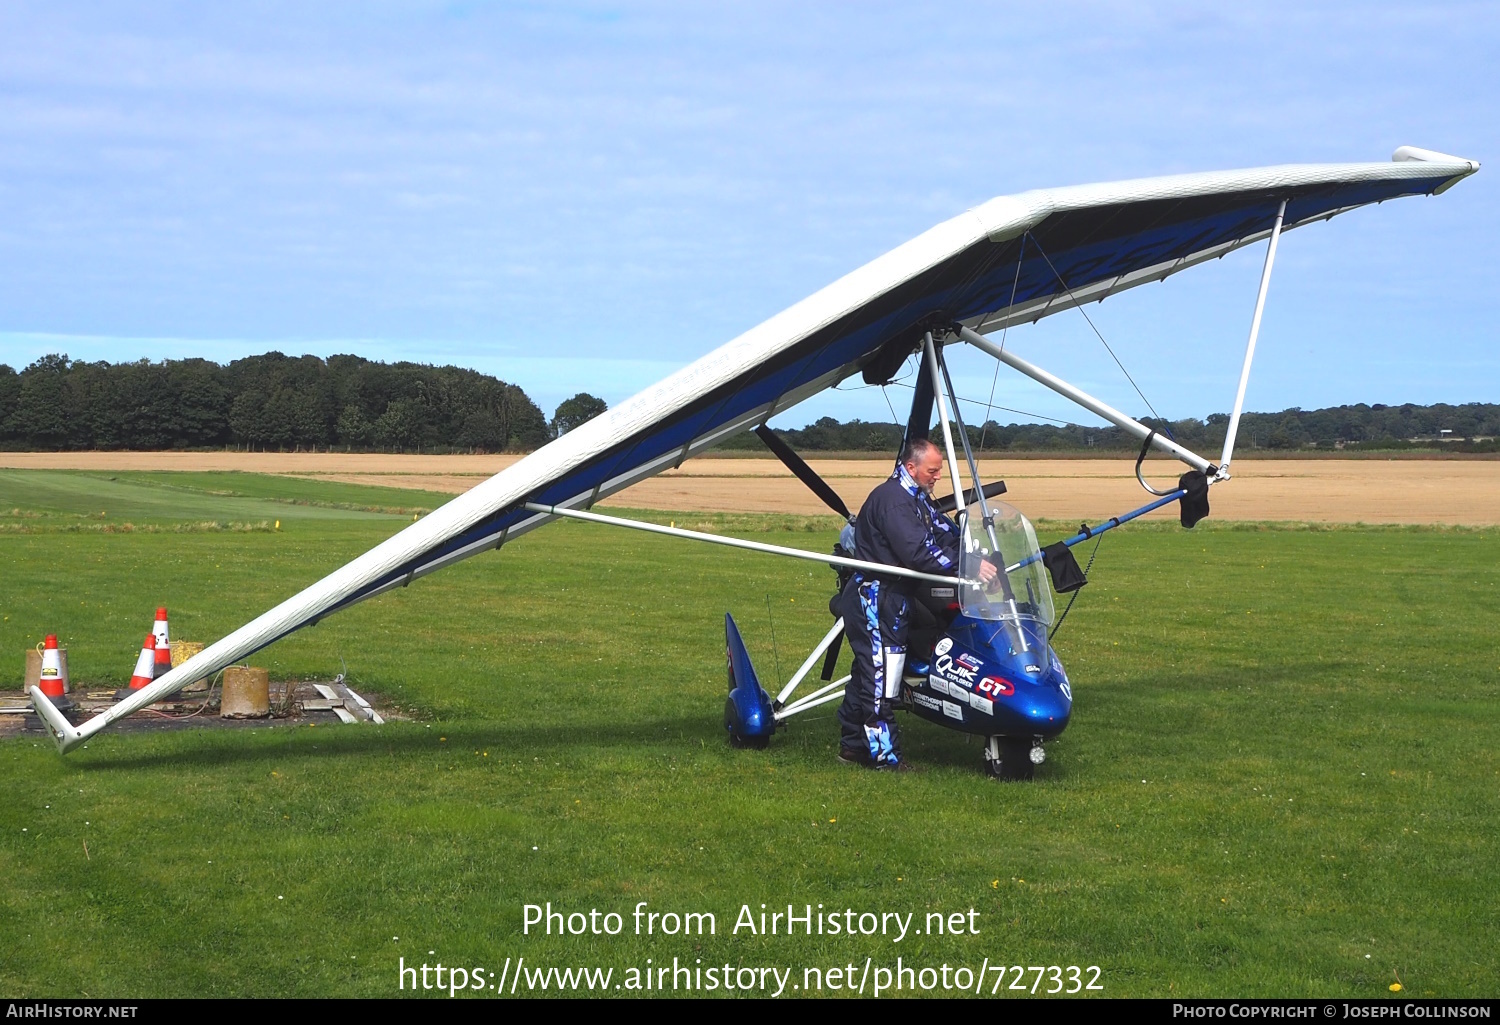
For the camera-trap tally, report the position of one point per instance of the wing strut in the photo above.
(989, 521)
(1128, 424)
(1260, 305)
(931, 363)
(980, 491)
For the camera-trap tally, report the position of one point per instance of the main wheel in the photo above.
(753, 743)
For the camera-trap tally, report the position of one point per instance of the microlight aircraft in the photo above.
(1011, 260)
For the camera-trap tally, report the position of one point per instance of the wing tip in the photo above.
(1404, 154)
(62, 730)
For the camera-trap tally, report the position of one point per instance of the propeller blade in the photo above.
(991, 490)
(806, 474)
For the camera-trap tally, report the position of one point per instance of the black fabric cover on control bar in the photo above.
(1194, 502)
(1066, 574)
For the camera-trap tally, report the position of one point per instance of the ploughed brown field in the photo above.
(1452, 491)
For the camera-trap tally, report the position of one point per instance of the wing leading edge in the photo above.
(1011, 259)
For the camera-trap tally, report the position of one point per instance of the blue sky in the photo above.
(587, 196)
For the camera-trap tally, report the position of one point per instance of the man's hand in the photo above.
(987, 571)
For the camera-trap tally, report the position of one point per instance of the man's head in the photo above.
(924, 461)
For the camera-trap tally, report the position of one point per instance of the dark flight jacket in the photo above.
(898, 526)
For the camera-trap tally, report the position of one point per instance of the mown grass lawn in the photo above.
(1281, 778)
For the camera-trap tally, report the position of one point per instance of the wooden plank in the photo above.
(365, 707)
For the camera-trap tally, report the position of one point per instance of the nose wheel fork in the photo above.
(1012, 758)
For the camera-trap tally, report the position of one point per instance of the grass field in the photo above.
(1282, 775)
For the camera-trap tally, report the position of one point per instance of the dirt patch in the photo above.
(1317, 491)
(1321, 491)
(183, 711)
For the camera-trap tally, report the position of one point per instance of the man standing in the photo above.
(897, 526)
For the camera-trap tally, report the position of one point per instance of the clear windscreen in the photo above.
(1022, 596)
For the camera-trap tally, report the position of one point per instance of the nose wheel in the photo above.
(1012, 758)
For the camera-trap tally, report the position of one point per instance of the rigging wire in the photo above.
(1018, 412)
(1079, 306)
(908, 371)
(898, 381)
(1020, 257)
(971, 279)
(774, 652)
(1092, 556)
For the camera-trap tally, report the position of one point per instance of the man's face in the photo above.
(926, 469)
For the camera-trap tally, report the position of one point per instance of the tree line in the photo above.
(276, 402)
(269, 402)
(1472, 427)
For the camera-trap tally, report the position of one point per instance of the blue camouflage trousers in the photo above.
(875, 620)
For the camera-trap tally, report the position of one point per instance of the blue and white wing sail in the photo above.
(1014, 258)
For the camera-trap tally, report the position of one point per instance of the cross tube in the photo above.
(1128, 424)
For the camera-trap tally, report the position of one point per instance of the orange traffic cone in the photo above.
(162, 662)
(145, 665)
(54, 682)
(163, 641)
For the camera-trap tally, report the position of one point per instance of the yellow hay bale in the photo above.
(181, 652)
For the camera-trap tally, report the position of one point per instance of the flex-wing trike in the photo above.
(979, 657)
(1012, 260)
